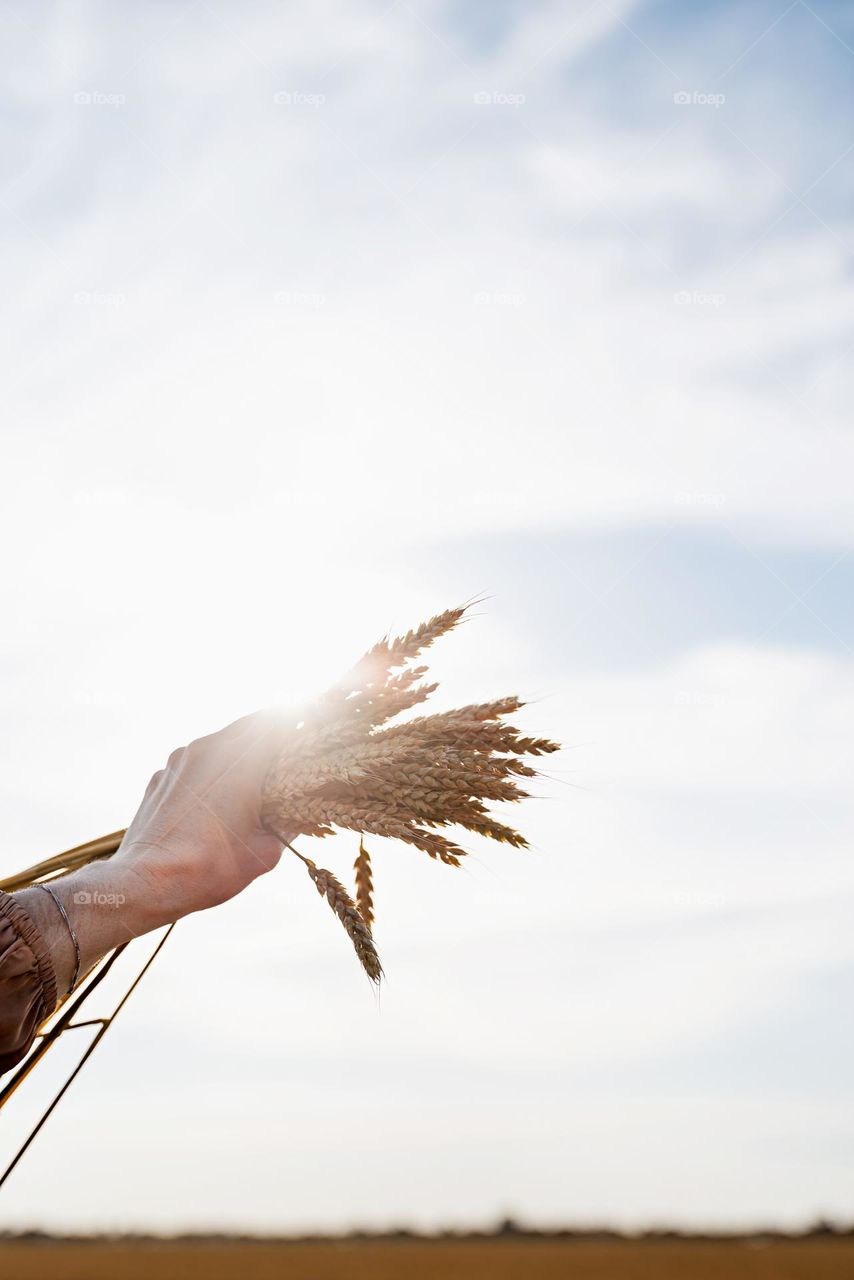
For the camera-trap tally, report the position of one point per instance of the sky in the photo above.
(317, 319)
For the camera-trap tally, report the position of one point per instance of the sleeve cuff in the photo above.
(27, 981)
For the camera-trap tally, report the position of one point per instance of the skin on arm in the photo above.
(195, 841)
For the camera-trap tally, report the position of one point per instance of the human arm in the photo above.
(195, 841)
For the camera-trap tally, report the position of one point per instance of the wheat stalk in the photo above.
(346, 768)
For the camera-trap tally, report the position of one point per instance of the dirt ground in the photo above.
(812, 1259)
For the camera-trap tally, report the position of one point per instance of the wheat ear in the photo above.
(331, 888)
(364, 885)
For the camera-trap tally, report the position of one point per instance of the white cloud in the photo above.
(581, 392)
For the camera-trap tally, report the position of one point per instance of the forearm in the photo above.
(106, 905)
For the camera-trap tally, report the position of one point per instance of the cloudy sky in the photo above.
(316, 319)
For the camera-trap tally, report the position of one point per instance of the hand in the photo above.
(195, 841)
(197, 838)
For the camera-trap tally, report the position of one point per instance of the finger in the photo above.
(175, 760)
(237, 726)
(154, 784)
(257, 724)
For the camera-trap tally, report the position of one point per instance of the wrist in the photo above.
(108, 901)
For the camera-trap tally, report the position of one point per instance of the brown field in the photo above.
(805, 1259)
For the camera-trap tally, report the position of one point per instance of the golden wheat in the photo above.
(345, 767)
(331, 888)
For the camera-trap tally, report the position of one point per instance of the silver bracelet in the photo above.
(70, 929)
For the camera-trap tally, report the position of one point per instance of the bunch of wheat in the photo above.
(406, 781)
(340, 768)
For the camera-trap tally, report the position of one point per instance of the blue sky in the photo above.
(316, 319)
(636, 597)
